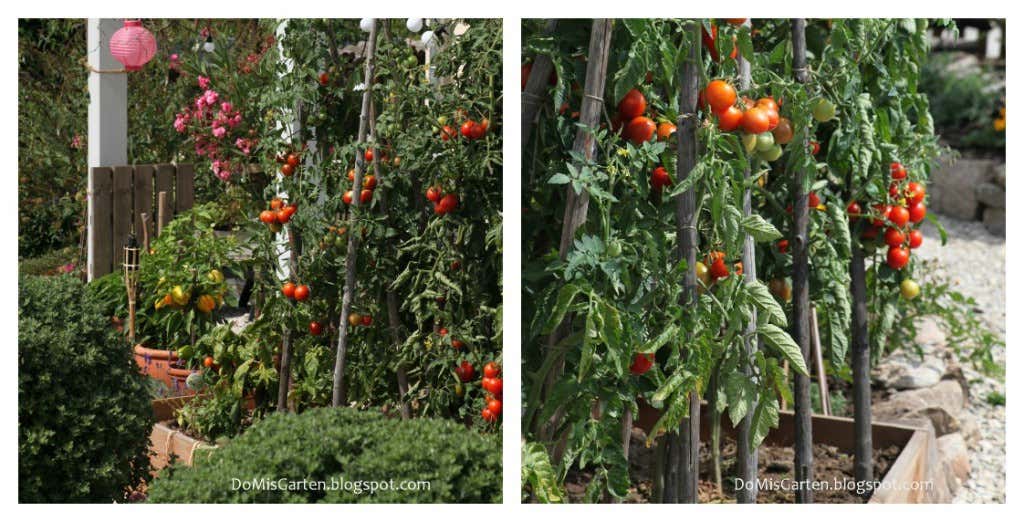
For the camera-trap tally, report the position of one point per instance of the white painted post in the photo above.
(108, 110)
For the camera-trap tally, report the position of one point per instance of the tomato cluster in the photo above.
(369, 184)
(357, 319)
(895, 218)
(443, 203)
(296, 292)
(642, 363)
(493, 385)
(633, 124)
(289, 163)
(278, 214)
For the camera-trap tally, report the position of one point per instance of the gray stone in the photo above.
(995, 221)
(999, 175)
(970, 428)
(929, 333)
(990, 195)
(955, 459)
(903, 371)
(939, 405)
(951, 189)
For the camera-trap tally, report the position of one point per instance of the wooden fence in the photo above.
(132, 197)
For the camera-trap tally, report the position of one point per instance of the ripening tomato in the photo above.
(282, 216)
(288, 289)
(914, 193)
(815, 148)
(916, 212)
(355, 319)
(660, 178)
(720, 95)
(909, 289)
(442, 331)
(368, 155)
(719, 269)
(324, 79)
(783, 245)
(897, 171)
(458, 344)
(899, 216)
(447, 133)
(208, 361)
(365, 196)
(729, 119)
(370, 182)
(301, 293)
(347, 197)
(434, 194)
(276, 204)
(893, 237)
(633, 104)
(292, 160)
(491, 370)
(783, 132)
(898, 257)
(268, 217)
(315, 328)
(489, 415)
(708, 39)
(642, 363)
(823, 110)
(640, 129)
(448, 203)
(915, 238)
(287, 170)
(755, 120)
(665, 130)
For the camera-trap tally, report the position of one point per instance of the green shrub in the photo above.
(342, 444)
(84, 416)
(964, 104)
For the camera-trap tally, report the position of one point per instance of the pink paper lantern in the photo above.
(133, 45)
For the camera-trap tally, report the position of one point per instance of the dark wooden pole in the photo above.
(683, 452)
(536, 85)
(861, 354)
(746, 457)
(803, 457)
(576, 204)
(338, 393)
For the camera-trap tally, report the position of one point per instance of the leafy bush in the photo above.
(84, 415)
(964, 104)
(342, 444)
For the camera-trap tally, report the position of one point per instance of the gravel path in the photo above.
(968, 243)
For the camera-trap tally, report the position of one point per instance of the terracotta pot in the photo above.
(178, 377)
(155, 363)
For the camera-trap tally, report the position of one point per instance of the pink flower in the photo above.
(210, 97)
(226, 107)
(219, 132)
(204, 82)
(174, 57)
(76, 141)
(179, 124)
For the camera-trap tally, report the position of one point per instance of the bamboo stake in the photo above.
(338, 393)
(803, 457)
(576, 204)
(819, 362)
(536, 85)
(683, 453)
(746, 457)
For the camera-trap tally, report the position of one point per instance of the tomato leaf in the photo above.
(766, 417)
(741, 395)
(760, 229)
(565, 297)
(764, 301)
(780, 340)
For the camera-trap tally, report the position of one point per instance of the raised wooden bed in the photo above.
(918, 461)
(165, 441)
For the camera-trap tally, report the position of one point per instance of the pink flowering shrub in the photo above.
(215, 128)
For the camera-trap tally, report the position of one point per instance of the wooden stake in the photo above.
(861, 366)
(338, 393)
(819, 363)
(803, 458)
(536, 86)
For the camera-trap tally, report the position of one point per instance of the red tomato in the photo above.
(893, 237)
(783, 245)
(324, 79)
(315, 328)
(448, 203)
(642, 363)
(301, 293)
(208, 361)
(491, 370)
(457, 344)
(365, 196)
(276, 204)
(489, 415)
(894, 189)
(478, 131)
(347, 197)
(899, 216)
(869, 232)
(720, 95)
(755, 120)
(853, 209)
(633, 104)
(883, 210)
(815, 148)
(288, 289)
(434, 194)
(708, 39)
(494, 406)
(370, 182)
(665, 130)
(368, 155)
(897, 171)
(292, 160)
(282, 216)
(898, 257)
(287, 170)
(729, 119)
(367, 320)
(813, 200)
(268, 217)
(465, 371)
(442, 331)
(915, 238)
(917, 212)
(915, 193)
(467, 129)
(497, 387)
(719, 269)
(640, 129)
(659, 178)
(447, 133)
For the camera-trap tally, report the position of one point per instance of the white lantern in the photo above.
(427, 38)
(208, 45)
(366, 24)
(414, 25)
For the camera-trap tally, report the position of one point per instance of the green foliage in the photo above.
(995, 398)
(343, 445)
(965, 103)
(539, 480)
(84, 415)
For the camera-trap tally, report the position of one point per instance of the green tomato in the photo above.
(909, 289)
(442, 120)
(749, 142)
(614, 249)
(772, 154)
(765, 141)
(411, 61)
(823, 110)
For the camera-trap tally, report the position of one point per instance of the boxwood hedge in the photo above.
(84, 413)
(344, 455)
